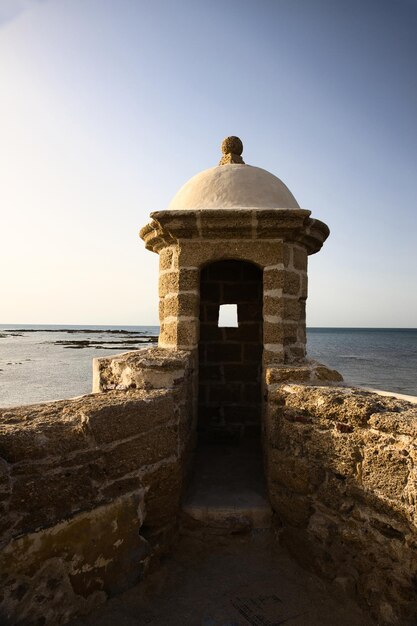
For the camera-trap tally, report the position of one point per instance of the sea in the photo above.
(40, 363)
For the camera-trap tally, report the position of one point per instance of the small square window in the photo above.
(228, 316)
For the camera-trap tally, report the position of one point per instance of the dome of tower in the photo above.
(233, 185)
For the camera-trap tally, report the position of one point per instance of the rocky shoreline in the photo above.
(128, 339)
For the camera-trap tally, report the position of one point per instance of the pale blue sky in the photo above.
(108, 106)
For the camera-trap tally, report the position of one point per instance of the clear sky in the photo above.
(108, 106)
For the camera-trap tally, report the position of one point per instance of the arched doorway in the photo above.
(228, 484)
(230, 357)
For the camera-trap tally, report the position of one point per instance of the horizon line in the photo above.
(87, 325)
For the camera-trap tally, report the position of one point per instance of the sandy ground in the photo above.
(229, 581)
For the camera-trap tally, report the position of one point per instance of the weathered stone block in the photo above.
(27, 432)
(341, 452)
(273, 356)
(279, 222)
(169, 307)
(168, 334)
(300, 258)
(273, 333)
(273, 279)
(292, 283)
(335, 403)
(189, 278)
(273, 307)
(333, 493)
(399, 419)
(304, 286)
(188, 304)
(294, 354)
(168, 283)
(221, 225)
(307, 551)
(132, 455)
(292, 509)
(182, 223)
(301, 331)
(152, 368)
(161, 309)
(288, 434)
(182, 304)
(385, 471)
(69, 558)
(292, 309)
(293, 472)
(119, 487)
(288, 248)
(325, 374)
(163, 494)
(187, 334)
(289, 333)
(166, 258)
(262, 253)
(280, 375)
(131, 417)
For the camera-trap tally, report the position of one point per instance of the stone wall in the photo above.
(90, 488)
(277, 241)
(284, 292)
(340, 466)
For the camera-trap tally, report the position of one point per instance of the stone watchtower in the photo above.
(96, 489)
(234, 234)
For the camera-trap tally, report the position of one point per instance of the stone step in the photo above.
(227, 490)
(240, 512)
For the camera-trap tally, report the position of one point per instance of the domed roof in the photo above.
(234, 186)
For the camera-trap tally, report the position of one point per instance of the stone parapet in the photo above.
(152, 368)
(340, 465)
(310, 373)
(90, 487)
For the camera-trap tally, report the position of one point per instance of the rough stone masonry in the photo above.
(90, 488)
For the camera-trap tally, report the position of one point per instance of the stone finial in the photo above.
(232, 148)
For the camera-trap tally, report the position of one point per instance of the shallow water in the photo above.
(34, 368)
(382, 358)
